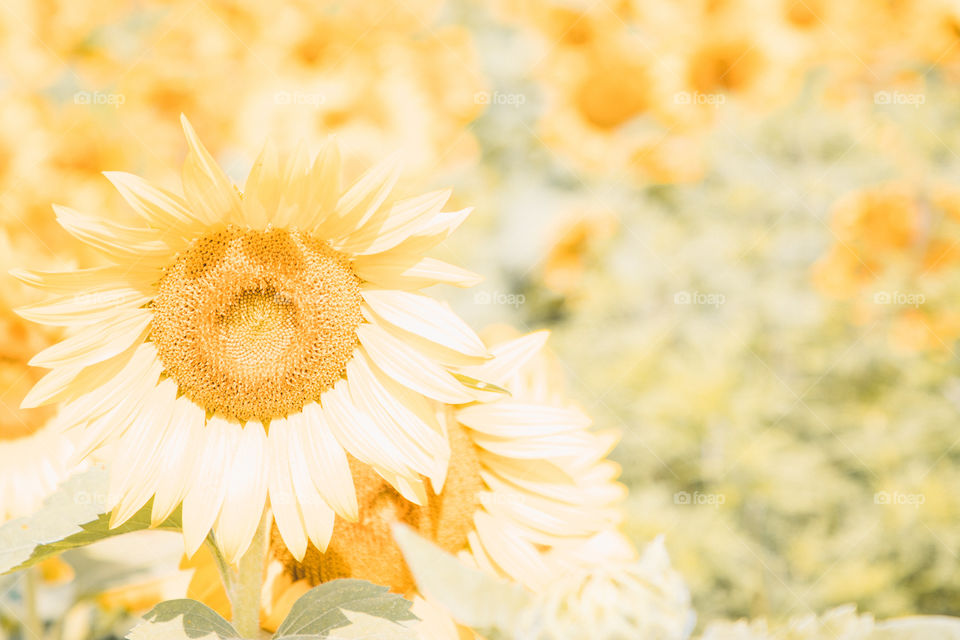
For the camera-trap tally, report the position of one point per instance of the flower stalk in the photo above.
(246, 584)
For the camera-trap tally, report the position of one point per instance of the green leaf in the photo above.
(75, 515)
(364, 626)
(182, 620)
(475, 599)
(328, 606)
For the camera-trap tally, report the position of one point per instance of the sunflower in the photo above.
(611, 109)
(611, 598)
(241, 344)
(528, 487)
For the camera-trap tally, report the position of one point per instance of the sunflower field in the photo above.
(493, 319)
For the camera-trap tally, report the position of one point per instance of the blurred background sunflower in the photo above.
(740, 219)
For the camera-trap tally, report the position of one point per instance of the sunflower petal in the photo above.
(64, 383)
(98, 342)
(559, 445)
(420, 445)
(409, 367)
(261, 193)
(142, 368)
(318, 517)
(208, 190)
(358, 433)
(147, 246)
(508, 358)
(136, 468)
(327, 462)
(96, 278)
(246, 494)
(513, 419)
(83, 308)
(293, 190)
(283, 500)
(426, 317)
(430, 234)
(506, 547)
(411, 272)
(158, 207)
(363, 198)
(180, 458)
(324, 186)
(392, 226)
(207, 491)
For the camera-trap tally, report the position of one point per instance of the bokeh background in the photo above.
(740, 218)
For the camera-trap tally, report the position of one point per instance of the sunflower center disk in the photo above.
(255, 324)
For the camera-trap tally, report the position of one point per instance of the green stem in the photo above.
(34, 627)
(226, 575)
(248, 583)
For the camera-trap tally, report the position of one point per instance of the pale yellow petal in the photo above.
(209, 192)
(430, 234)
(93, 279)
(139, 246)
(142, 368)
(362, 199)
(136, 467)
(515, 419)
(204, 497)
(261, 193)
(158, 207)
(395, 271)
(393, 225)
(181, 455)
(426, 317)
(422, 447)
(508, 358)
(85, 307)
(324, 187)
(327, 462)
(318, 517)
(358, 433)
(98, 342)
(293, 190)
(246, 481)
(409, 367)
(283, 500)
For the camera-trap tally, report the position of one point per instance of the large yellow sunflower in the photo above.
(242, 344)
(528, 492)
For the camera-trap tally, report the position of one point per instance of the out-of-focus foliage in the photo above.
(775, 335)
(740, 218)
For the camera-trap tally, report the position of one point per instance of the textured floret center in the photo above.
(255, 324)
